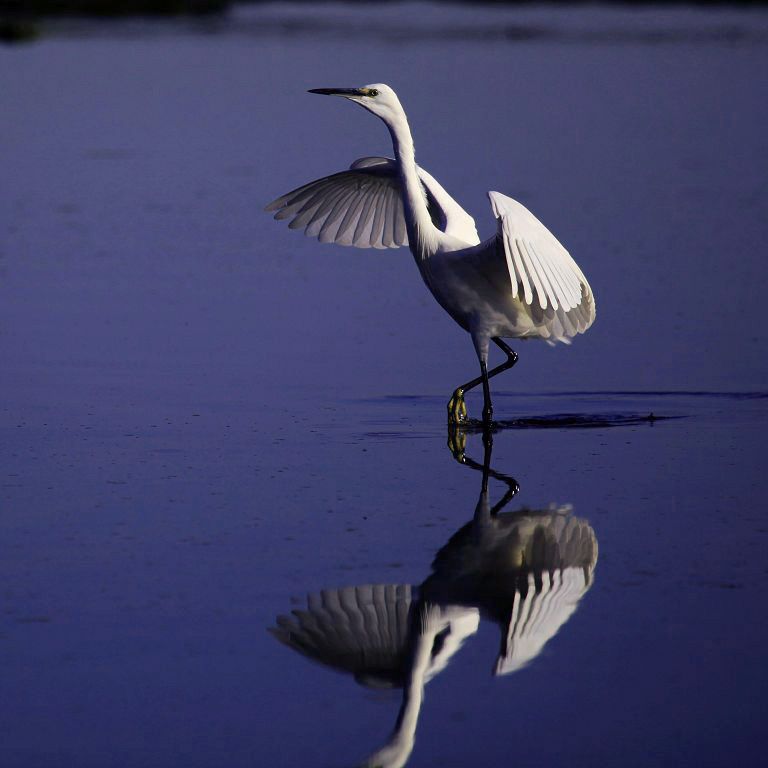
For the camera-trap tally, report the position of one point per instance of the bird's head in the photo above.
(377, 98)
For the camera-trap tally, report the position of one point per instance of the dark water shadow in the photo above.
(570, 421)
(690, 394)
(678, 401)
(599, 409)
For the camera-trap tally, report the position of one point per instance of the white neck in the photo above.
(398, 749)
(422, 234)
(429, 622)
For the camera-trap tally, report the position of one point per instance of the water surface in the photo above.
(207, 420)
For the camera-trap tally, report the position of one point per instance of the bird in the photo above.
(520, 283)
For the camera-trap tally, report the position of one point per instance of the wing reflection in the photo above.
(525, 570)
(361, 630)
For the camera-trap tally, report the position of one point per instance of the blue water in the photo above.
(205, 417)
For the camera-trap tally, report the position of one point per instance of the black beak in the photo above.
(337, 91)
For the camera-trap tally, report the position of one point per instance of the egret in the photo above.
(521, 283)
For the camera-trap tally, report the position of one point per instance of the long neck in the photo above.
(413, 690)
(422, 235)
(395, 753)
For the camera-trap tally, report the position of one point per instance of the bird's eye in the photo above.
(373, 92)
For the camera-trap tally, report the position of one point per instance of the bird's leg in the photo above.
(487, 404)
(510, 353)
(457, 410)
(508, 363)
(512, 489)
(487, 452)
(457, 442)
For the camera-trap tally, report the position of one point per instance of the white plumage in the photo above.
(362, 630)
(526, 570)
(519, 283)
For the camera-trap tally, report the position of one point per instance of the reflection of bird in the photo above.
(361, 630)
(525, 570)
(520, 283)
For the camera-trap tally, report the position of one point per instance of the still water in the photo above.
(236, 530)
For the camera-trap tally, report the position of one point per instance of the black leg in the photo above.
(487, 452)
(456, 409)
(511, 355)
(508, 363)
(457, 442)
(487, 404)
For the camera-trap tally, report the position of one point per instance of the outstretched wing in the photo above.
(361, 207)
(536, 261)
(362, 630)
(364, 206)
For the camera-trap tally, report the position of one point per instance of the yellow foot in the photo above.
(457, 410)
(457, 442)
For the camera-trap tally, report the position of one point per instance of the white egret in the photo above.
(520, 283)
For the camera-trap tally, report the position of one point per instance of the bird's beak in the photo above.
(348, 92)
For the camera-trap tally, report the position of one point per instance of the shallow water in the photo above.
(206, 418)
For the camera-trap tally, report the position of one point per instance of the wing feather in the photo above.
(558, 281)
(328, 202)
(364, 207)
(362, 630)
(330, 228)
(569, 279)
(293, 202)
(388, 236)
(362, 235)
(400, 233)
(538, 262)
(349, 222)
(522, 274)
(314, 209)
(377, 228)
(551, 287)
(312, 201)
(349, 208)
(311, 197)
(533, 273)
